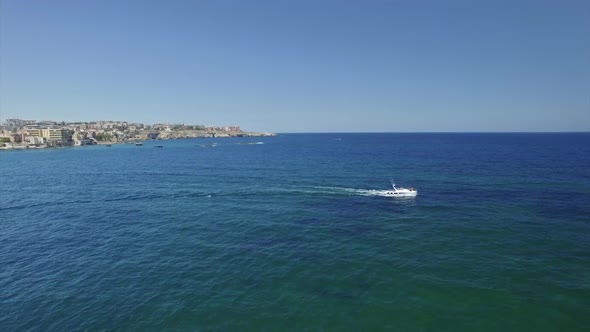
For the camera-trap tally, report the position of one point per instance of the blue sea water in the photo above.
(290, 234)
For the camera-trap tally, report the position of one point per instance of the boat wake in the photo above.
(354, 191)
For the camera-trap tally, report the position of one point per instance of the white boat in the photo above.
(400, 192)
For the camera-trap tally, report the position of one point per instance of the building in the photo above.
(56, 134)
(17, 138)
(32, 132)
(19, 123)
(231, 128)
(83, 141)
(35, 140)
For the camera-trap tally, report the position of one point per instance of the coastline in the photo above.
(140, 138)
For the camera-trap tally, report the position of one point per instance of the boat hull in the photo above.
(408, 193)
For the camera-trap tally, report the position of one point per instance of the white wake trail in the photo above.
(353, 191)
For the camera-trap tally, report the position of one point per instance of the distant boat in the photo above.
(158, 146)
(400, 192)
(138, 144)
(108, 145)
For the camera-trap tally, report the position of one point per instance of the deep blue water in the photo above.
(288, 235)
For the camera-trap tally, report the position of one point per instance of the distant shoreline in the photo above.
(21, 147)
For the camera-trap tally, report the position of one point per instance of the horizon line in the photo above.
(436, 132)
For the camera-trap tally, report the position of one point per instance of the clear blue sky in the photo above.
(300, 66)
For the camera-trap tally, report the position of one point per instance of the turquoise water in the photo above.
(289, 234)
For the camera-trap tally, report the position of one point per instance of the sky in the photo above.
(300, 66)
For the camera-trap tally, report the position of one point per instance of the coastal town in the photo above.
(33, 134)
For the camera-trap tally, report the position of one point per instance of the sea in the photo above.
(292, 233)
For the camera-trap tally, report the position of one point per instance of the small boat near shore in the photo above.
(400, 192)
(138, 144)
